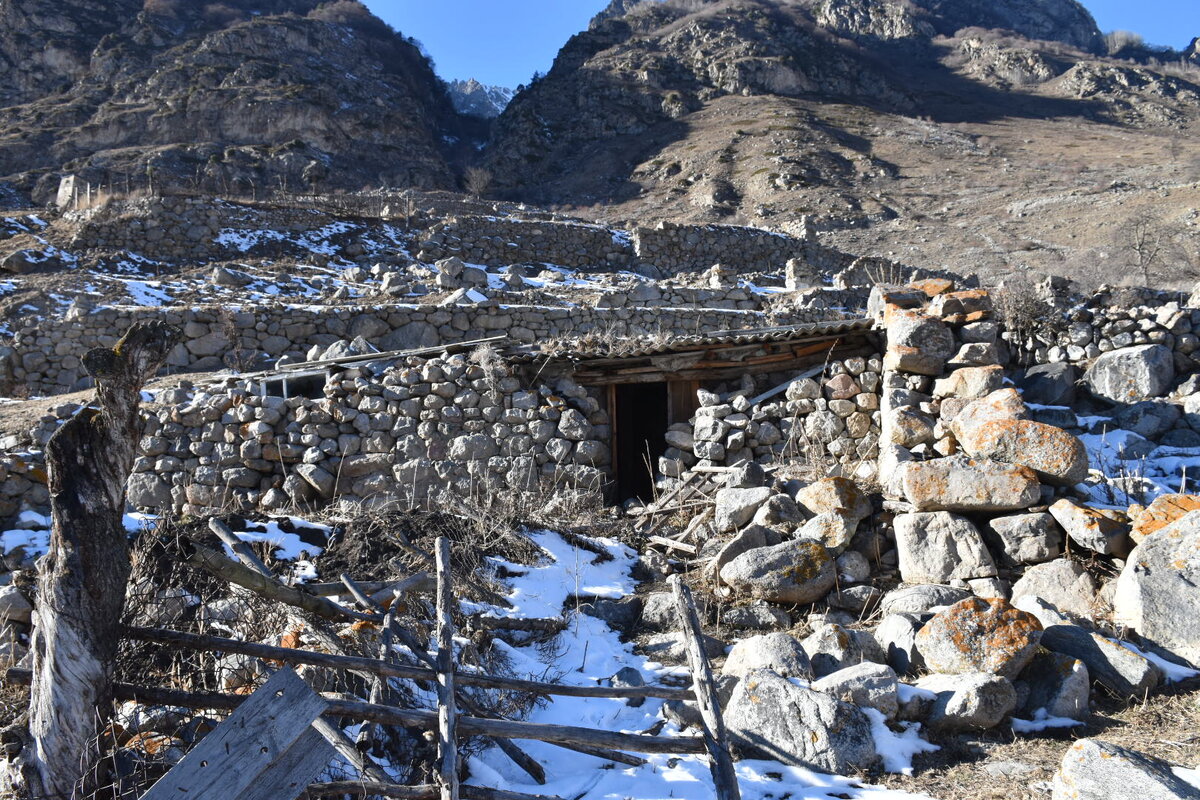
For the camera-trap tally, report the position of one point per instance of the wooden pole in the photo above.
(81, 583)
(413, 718)
(342, 744)
(447, 710)
(715, 741)
(205, 643)
(359, 789)
(363, 599)
(267, 586)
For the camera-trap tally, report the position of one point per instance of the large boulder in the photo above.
(1057, 457)
(968, 701)
(1149, 418)
(735, 507)
(778, 652)
(797, 571)
(1062, 583)
(750, 538)
(1103, 530)
(1115, 667)
(1132, 373)
(832, 647)
(1059, 686)
(1157, 592)
(958, 483)
(970, 382)
(833, 529)
(939, 547)
(917, 343)
(866, 685)
(897, 637)
(1165, 509)
(1050, 384)
(1028, 538)
(1093, 770)
(835, 494)
(1003, 404)
(976, 635)
(920, 598)
(770, 717)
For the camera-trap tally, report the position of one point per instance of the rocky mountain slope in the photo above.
(479, 100)
(973, 135)
(243, 96)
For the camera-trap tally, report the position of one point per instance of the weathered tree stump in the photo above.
(81, 587)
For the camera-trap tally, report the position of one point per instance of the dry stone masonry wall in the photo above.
(834, 416)
(421, 428)
(45, 356)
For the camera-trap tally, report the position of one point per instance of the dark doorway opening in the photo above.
(642, 416)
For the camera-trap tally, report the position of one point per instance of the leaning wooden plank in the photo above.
(721, 761)
(357, 789)
(294, 770)
(390, 354)
(812, 372)
(203, 643)
(249, 578)
(230, 759)
(447, 728)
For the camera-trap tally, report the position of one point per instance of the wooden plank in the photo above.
(291, 773)
(287, 655)
(388, 355)
(767, 395)
(229, 759)
(715, 740)
(447, 716)
(671, 544)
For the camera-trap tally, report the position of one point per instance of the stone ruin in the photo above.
(932, 489)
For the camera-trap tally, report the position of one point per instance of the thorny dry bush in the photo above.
(1026, 313)
(144, 741)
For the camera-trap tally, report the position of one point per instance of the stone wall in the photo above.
(45, 354)
(496, 242)
(1100, 328)
(672, 248)
(422, 427)
(834, 416)
(185, 229)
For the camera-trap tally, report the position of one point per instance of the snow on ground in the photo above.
(587, 653)
(1172, 672)
(288, 544)
(315, 241)
(147, 293)
(1042, 721)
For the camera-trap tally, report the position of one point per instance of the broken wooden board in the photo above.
(266, 748)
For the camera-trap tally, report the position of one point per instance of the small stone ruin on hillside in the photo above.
(974, 502)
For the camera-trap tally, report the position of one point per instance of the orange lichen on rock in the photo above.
(1162, 512)
(1058, 457)
(932, 287)
(977, 635)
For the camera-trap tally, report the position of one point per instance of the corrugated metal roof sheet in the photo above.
(641, 346)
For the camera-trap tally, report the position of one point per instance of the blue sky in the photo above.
(504, 41)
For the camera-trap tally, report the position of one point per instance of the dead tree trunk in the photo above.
(81, 587)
